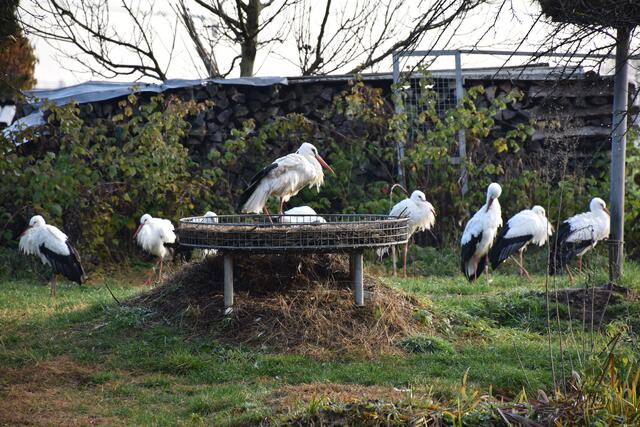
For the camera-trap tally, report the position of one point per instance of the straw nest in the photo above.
(287, 303)
(608, 13)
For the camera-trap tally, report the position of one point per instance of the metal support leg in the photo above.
(357, 278)
(228, 284)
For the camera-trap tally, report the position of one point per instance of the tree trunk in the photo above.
(249, 46)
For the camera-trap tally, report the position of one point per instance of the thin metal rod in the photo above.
(618, 148)
(398, 110)
(462, 141)
(357, 279)
(228, 282)
(452, 52)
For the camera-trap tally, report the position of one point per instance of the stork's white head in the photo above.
(537, 209)
(143, 220)
(210, 214)
(598, 205)
(36, 221)
(309, 150)
(419, 198)
(493, 192)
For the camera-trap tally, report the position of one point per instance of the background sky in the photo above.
(54, 70)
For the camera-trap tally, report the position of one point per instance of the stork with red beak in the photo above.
(479, 234)
(579, 234)
(152, 234)
(284, 178)
(54, 249)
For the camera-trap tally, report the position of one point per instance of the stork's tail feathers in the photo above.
(252, 199)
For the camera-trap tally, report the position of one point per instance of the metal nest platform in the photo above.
(302, 233)
(235, 235)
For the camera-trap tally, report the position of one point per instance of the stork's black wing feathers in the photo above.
(468, 249)
(254, 183)
(562, 251)
(67, 265)
(504, 247)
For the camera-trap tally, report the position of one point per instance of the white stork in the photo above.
(152, 235)
(284, 178)
(421, 214)
(479, 234)
(578, 234)
(53, 248)
(301, 214)
(525, 227)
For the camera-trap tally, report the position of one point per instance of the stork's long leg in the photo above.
(266, 212)
(569, 273)
(523, 271)
(393, 258)
(580, 264)
(486, 269)
(160, 273)
(281, 212)
(53, 285)
(404, 267)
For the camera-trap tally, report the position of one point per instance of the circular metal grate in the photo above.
(303, 233)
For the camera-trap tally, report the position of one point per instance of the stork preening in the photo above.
(578, 234)
(480, 233)
(54, 249)
(301, 214)
(525, 227)
(284, 178)
(152, 235)
(421, 214)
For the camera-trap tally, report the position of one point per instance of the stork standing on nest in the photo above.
(525, 227)
(578, 234)
(54, 249)
(421, 214)
(284, 178)
(152, 235)
(479, 234)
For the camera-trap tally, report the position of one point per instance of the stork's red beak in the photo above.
(489, 204)
(324, 164)
(607, 211)
(25, 230)
(137, 230)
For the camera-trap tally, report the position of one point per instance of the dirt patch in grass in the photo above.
(45, 393)
(287, 303)
(589, 305)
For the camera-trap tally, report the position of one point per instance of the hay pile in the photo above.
(287, 303)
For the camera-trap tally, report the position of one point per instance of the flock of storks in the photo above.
(287, 175)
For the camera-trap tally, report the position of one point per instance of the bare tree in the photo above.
(360, 34)
(87, 25)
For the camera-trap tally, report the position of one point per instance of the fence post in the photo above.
(462, 141)
(618, 147)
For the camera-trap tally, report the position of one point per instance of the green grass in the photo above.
(135, 370)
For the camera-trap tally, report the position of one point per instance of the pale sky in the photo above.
(52, 70)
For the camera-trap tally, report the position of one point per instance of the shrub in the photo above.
(425, 344)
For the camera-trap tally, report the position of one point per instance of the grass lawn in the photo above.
(82, 359)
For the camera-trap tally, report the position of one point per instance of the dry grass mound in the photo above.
(287, 303)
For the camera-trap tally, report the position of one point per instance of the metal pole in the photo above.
(462, 141)
(398, 110)
(357, 279)
(618, 146)
(228, 284)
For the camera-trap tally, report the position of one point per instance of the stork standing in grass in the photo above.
(153, 234)
(525, 227)
(421, 214)
(284, 178)
(578, 234)
(479, 234)
(54, 249)
(301, 214)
